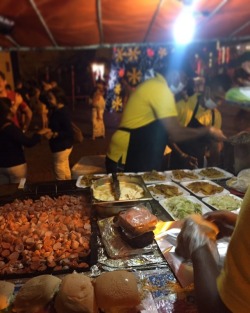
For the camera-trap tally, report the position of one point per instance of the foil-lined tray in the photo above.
(122, 178)
(116, 248)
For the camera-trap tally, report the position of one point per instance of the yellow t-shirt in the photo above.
(234, 281)
(150, 101)
(185, 111)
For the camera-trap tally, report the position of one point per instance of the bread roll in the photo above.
(116, 291)
(6, 292)
(36, 294)
(75, 295)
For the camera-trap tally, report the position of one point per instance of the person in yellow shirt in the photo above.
(226, 290)
(199, 111)
(148, 120)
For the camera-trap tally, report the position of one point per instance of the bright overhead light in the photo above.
(184, 26)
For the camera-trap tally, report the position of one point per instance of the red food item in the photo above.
(137, 220)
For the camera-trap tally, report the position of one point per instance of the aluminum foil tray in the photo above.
(122, 178)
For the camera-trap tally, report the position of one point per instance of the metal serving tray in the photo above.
(122, 178)
(54, 192)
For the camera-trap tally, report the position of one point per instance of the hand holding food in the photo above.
(224, 220)
(195, 233)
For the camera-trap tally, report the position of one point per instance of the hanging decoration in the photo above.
(131, 66)
(134, 77)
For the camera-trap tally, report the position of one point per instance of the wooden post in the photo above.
(73, 87)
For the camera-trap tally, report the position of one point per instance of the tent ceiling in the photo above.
(93, 23)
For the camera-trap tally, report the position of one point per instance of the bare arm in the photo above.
(28, 116)
(178, 133)
(194, 243)
(188, 160)
(205, 274)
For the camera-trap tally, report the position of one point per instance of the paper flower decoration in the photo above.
(162, 52)
(120, 54)
(117, 103)
(133, 54)
(117, 89)
(150, 53)
(134, 76)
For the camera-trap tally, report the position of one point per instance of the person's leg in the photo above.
(94, 123)
(61, 164)
(16, 173)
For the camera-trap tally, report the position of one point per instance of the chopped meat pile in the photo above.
(44, 234)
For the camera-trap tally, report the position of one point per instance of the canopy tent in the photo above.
(58, 24)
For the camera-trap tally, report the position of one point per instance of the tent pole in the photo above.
(43, 22)
(153, 20)
(240, 29)
(99, 20)
(73, 87)
(12, 40)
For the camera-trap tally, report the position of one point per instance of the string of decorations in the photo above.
(132, 65)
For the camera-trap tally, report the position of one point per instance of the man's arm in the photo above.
(178, 133)
(188, 160)
(205, 274)
(27, 117)
(194, 243)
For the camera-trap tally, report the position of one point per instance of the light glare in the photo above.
(184, 27)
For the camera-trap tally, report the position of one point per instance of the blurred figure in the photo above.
(13, 165)
(21, 112)
(38, 108)
(148, 121)
(98, 107)
(198, 111)
(61, 141)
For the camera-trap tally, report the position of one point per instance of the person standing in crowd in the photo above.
(61, 141)
(148, 121)
(20, 108)
(39, 109)
(13, 165)
(226, 290)
(98, 107)
(198, 111)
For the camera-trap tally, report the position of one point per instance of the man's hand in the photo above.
(46, 132)
(216, 133)
(189, 161)
(192, 237)
(224, 220)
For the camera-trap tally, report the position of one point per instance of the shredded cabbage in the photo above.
(225, 202)
(180, 207)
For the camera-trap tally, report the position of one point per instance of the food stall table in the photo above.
(153, 272)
